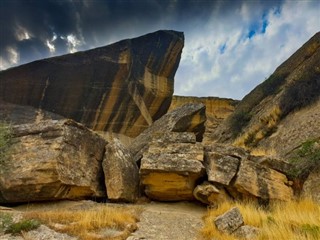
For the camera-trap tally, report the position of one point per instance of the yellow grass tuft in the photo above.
(88, 224)
(295, 220)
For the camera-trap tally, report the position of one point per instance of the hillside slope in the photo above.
(283, 112)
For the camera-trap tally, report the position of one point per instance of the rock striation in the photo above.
(52, 160)
(121, 88)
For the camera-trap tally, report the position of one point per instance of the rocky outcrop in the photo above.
(121, 88)
(169, 170)
(243, 176)
(282, 112)
(121, 173)
(217, 109)
(52, 160)
(261, 182)
(187, 118)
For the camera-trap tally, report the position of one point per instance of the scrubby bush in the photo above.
(5, 140)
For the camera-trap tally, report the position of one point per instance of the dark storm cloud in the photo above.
(30, 25)
(227, 42)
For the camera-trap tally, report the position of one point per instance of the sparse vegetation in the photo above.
(89, 224)
(301, 93)
(295, 220)
(7, 225)
(5, 140)
(306, 157)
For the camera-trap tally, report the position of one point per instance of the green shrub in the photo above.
(5, 221)
(239, 121)
(306, 157)
(22, 226)
(5, 140)
(301, 93)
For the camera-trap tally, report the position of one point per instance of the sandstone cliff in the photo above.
(283, 112)
(217, 109)
(119, 88)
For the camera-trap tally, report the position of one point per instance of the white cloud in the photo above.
(22, 33)
(244, 62)
(13, 55)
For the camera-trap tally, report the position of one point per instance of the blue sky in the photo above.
(230, 46)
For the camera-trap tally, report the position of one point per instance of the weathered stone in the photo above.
(120, 88)
(169, 171)
(247, 232)
(220, 168)
(52, 160)
(311, 187)
(210, 194)
(259, 181)
(217, 109)
(227, 150)
(121, 173)
(230, 221)
(188, 118)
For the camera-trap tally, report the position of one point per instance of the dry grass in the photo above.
(295, 220)
(104, 222)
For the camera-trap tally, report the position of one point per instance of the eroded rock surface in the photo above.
(229, 221)
(259, 181)
(121, 173)
(52, 160)
(122, 87)
(169, 171)
(188, 118)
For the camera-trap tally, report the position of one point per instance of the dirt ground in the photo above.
(158, 221)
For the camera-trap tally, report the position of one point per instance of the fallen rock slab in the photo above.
(121, 173)
(188, 118)
(52, 160)
(259, 181)
(169, 171)
(210, 194)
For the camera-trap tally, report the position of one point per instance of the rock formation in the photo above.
(121, 173)
(217, 109)
(52, 160)
(282, 112)
(187, 118)
(120, 88)
(170, 169)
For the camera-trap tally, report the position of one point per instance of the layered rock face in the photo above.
(52, 160)
(217, 109)
(119, 88)
(282, 112)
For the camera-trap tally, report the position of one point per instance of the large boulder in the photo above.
(121, 173)
(52, 160)
(169, 171)
(258, 181)
(187, 118)
(122, 87)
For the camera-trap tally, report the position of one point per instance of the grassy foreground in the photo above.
(103, 222)
(295, 220)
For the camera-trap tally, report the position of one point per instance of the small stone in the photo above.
(230, 221)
